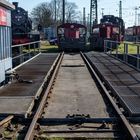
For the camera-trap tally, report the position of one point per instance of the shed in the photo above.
(5, 38)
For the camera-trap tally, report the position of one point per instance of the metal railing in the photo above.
(126, 52)
(23, 52)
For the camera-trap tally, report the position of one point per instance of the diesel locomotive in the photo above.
(132, 34)
(71, 36)
(110, 28)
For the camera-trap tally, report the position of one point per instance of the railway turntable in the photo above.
(19, 96)
(74, 107)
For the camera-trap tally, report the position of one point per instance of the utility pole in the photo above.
(136, 9)
(84, 16)
(63, 11)
(55, 10)
(102, 11)
(88, 22)
(139, 19)
(120, 9)
(93, 14)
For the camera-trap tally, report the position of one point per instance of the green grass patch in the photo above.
(132, 48)
(47, 48)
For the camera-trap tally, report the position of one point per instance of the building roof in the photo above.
(6, 4)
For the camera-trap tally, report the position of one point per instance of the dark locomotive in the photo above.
(22, 26)
(71, 36)
(110, 28)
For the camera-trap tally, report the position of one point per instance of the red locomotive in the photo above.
(71, 36)
(132, 34)
(110, 28)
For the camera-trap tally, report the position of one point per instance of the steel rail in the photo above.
(30, 132)
(120, 114)
(5, 120)
(81, 131)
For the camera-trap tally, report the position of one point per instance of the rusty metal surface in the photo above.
(17, 98)
(16, 106)
(75, 91)
(30, 132)
(122, 78)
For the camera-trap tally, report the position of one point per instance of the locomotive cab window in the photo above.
(103, 32)
(82, 31)
(61, 31)
(96, 30)
(115, 30)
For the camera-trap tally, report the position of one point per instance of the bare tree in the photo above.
(42, 15)
(71, 13)
(58, 5)
(45, 14)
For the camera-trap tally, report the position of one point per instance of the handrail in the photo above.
(115, 52)
(23, 52)
(25, 44)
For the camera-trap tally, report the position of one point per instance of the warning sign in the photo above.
(3, 16)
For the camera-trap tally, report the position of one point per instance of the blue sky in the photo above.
(110, 7)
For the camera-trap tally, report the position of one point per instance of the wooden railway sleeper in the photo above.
(77, 121)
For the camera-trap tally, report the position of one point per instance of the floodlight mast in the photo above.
(93, 13)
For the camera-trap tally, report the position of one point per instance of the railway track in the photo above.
(77, 105)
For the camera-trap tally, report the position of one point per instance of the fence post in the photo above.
(138, 52)
(126, 55)
(117, 49)
(29, 51)
(39, 45)
(20, 54)
(34, 47)
(111, 44)
(124, 51)
(104, 46)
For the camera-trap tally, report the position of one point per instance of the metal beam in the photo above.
(84, 16)
(93, 13)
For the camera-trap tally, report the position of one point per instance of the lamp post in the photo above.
(139, 19)
(55, 10)
(63, 11)
(136, 13)
(102, 11)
